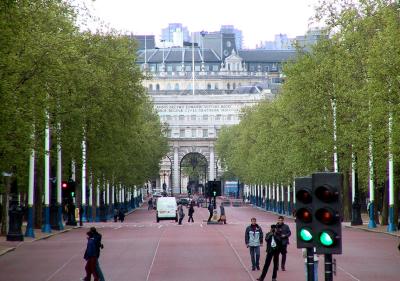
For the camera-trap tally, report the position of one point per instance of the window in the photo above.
(169, 68)
(208, 86)
(229, 117)
(157, 87)
(182, 133)
(218, 117)
(197, 67)
(153, 68)
(228, 86)
(151, 87)
(205, 117)
(216, 86)
(176, 87)
(168, 86)
(178, 68)
(169, 117)
(205, 133)
(188, 68)
(193, 117)
(234, 86)
(215, 67)
(181, 117)
(169, 133)
(194, 133)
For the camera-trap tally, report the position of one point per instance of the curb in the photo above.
(373, 230)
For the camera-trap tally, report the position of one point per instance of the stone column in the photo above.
(176, 183)
(212, 164)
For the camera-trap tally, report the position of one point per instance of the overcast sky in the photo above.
(259, 20)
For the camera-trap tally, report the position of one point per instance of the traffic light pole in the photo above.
(310, 264)
(328, 267)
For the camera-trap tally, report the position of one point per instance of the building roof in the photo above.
(266, 55)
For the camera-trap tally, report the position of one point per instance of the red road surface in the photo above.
(142, 250)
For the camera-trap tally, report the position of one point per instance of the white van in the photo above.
(166, 209)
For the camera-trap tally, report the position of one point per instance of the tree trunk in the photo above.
(385, 203)
(346, 197)
(5, 199)
(38, 191)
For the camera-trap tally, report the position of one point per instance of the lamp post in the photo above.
(163, 58)
(203, 33)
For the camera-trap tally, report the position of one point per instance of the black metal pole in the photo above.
(310, 264)
(328, 267)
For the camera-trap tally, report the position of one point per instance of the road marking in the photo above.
(237, 255)
(61, 267)
(160, 226)
(348, 273)
(154, 257)
(118, 227)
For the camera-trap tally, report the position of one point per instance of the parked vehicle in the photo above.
(166, 209)
(184, 201)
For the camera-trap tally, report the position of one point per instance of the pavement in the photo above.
(8, 246)
(140, 249)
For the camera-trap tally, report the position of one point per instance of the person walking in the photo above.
(211, 211)
(181, 213)
(121, 215)
(253, 238)
(91, 258)
(285, 233)
(190, 213)
(222, 217)
(150, 207)
(97, 238)
(273, 240)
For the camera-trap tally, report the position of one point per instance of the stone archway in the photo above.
(180, 148)
(193, 173)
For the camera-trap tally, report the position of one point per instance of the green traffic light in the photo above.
(305, 235)
(326, 239)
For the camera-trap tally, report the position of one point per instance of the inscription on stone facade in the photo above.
(198, 108)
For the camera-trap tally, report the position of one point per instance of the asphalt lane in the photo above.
(142, 250)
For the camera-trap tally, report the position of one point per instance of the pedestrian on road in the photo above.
(190, 213)
(211, 211)
(115, 215)
(222, 217)
(273, 240)
(253, 238)
(285, 233)
(91, 258)
(181, 213)
(150, 207)
(97, 238)
(121, 215)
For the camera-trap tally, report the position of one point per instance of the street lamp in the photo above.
(203, 33)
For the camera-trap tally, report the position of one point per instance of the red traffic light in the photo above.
(325, 216)
(304, 215)
(326, 194)
(304, 196)
(64, 185)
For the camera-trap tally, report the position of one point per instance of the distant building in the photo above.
(144, 41)
(238, 35)
(282, 42)
(175, 34)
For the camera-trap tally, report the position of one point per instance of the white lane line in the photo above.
(160, 226)
(155, 254)
(118, 227)
(61, 267)
(237, 255)
(348, 273)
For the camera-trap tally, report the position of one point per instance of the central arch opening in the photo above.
(193, 173)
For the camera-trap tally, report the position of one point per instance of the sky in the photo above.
(259, 20)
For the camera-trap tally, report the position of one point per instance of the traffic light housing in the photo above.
(304, 219)
(68, 188)
(214, 188)
(327, 226)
